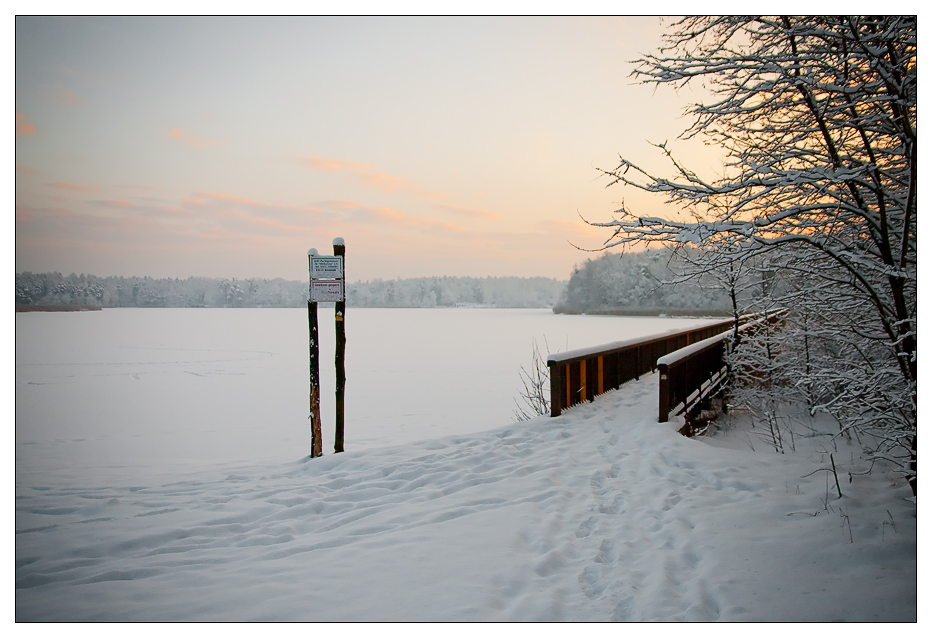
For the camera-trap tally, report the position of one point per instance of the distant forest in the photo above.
(203, 292)
(640, 282)
(629, 283)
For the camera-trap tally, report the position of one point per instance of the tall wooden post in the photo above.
(314, 365)
(339, 315)
(663, 394)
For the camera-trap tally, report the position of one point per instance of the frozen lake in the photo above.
(162, 475)
(128, 393)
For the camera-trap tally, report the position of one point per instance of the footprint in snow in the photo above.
(606, 554)
(625, 610)
(591, 582)
(586, 527)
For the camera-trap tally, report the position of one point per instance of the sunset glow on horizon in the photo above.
(227, 147)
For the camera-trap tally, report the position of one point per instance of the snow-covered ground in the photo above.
(599, 514)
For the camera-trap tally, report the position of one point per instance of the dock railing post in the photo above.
(556, 388)
(664, 394)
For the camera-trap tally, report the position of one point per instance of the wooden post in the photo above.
(582, 381)
(601, 386)
(569, 398)
(664, 394)
(314, 366)
(339, 316)
(556, 388)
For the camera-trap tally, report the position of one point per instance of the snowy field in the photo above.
(161, 474)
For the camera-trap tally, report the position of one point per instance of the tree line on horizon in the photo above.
(646, 281)
(56, 289)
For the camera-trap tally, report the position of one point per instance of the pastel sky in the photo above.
(226, 147)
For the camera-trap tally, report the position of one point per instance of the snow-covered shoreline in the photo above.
(600, 514)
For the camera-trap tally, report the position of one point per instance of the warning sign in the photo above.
(326, 290)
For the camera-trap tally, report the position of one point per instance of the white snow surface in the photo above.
(600, 514)
(618, 345)
(686, 352)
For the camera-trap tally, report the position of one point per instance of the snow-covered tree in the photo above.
(651, 280)
(817, 117)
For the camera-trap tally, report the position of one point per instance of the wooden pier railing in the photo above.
(581, 375)
(692, 373)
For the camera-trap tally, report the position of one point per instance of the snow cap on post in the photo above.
(311, 252)
(338, 241)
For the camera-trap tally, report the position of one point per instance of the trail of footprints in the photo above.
(640, 566)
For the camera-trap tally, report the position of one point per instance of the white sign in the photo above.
(327, 267)
(326, 291)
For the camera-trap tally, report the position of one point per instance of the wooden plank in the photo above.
(582, 381)
(601, 376)
(556, 389)
(569, 398)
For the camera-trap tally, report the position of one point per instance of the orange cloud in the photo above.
(215, 218)
(339, 204)
(394, 217)
(245, 211)
(232, 198)
(479, 213)
(382, 219)
(201, 197)
(23, 128)
(330, 165)
(367, 174)
(385, 182)
(68, 186)
(194, 142)
(25, 170)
